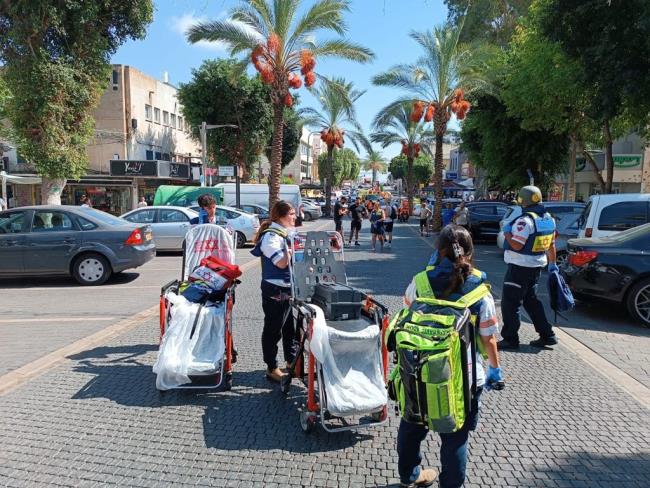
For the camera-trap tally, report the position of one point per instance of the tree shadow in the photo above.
(253, 415)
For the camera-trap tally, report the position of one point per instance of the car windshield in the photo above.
(632, 233)
(103, 217)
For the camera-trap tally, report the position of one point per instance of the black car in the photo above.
(484, 218)
(615, 268)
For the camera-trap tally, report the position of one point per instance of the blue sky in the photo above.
(381, 25)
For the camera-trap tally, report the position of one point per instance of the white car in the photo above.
(169, 224)
(243, 223)
(606, 215)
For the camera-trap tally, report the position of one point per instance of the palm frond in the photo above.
(232, 34)
(251, 18)
(326, 15)
(284, 12)
(342, 48)
(265, 11)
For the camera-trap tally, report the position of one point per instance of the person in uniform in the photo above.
(272, 246)
(529, 247)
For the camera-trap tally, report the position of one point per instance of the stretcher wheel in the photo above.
(227, 382)
(380, 416)
(307, 421)
(285, 384)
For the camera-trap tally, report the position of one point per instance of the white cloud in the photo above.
(181, 25)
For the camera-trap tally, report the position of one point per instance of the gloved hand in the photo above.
(507, 228)
(494, 380)
(553, 267)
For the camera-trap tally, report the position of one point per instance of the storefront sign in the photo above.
(121, 167)
(226, 171)
(627, 160)
(173, 170)
(451, 175)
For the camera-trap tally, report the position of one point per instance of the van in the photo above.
(606, 215)
(185, 196)
(258, 194)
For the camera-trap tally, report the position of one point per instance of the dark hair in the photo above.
(279, 210)
(455, 243)
(206, 200)
(343, 199)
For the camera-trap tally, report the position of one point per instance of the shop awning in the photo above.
(19, 180)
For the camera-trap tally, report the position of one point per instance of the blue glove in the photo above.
(494, 380)
(507, 228)
(553, 267)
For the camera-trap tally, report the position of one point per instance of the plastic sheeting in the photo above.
(350, 355)
(181, 355)
(206, 240)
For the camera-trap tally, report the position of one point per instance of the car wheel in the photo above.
(638, 302)
(307, 217)
(91, 269)
(241, 239)
(561, 258)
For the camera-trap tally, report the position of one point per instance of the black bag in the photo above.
(339, 302)
(393, 212)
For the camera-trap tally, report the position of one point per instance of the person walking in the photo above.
(357, 213)
(377, 227)
(461, 217)
(529, 246)
(142, 203)
(340, 209)
(390, 214)
(272, 246)
(425, 214)
(451, 276)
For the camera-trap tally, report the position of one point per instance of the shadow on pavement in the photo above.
(62, 281)
(253, 415)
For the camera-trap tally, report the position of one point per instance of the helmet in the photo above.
(529, 195)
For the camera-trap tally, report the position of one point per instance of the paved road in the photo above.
(97, 420)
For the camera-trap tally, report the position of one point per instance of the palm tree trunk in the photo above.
(328, 183)
(410, 184)
(276, 154)
(437, 171)
(609, 157)
(374, 176)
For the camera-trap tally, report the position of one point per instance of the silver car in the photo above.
(169, 224)
(244, 224)
(83, 242)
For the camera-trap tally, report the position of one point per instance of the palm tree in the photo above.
(374, 162)
(394, 125)
(336, 119)
(438, 82)
(280, 44)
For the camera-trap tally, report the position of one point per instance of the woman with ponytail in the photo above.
(273, 248)
(451, 275)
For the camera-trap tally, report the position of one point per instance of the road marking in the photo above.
(19, 376)
(56, 319)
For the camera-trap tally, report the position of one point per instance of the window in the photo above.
(623, 215)
(501, 210)
(227, 214)
(148, 114)
(156, 115)
(142, 217)
(103, 217)
(12, 222)
(172, 216)
(115, 80)
(149, 155)
(165, 157)
(304, 149)
(85, 224)
(45, 221)
(158, 155)
(180, 123)
(165, 117)
(173, 121)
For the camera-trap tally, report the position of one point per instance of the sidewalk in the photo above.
(97, 420)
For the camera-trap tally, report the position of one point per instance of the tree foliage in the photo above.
(346, 165)
(422, 168)
(56, 64)
(220, 94)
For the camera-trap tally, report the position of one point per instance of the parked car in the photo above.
(311, 210)
(614, 268)
(169, 224)
(484, 218)
(606, 215)
(85, 243)
(243, 223)
(259, 210)
(559, 211)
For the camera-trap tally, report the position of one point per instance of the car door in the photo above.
(146, 216)
(171, 225)
(621, 216)
(13, 227)
(51, 243)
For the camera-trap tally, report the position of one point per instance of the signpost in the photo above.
(226, 171)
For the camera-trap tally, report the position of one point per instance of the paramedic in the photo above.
(390, 214)
(529, 246)
(450, 276)
(272, 246)
(340, 209)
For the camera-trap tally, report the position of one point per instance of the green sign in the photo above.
(627, 160)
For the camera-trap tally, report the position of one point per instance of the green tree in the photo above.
(422, 168)
(336, 119)
(394, 124)
(374, 162)
(438, 82)
(611, 43)
(220, 94)
(345, 164)
(56, 65)
(280, 43)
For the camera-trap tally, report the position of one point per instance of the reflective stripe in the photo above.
(510, 283)
(422, 286)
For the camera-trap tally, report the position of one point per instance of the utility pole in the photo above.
(205, 127)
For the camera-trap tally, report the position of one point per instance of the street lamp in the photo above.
(205, 127)
(310, 151)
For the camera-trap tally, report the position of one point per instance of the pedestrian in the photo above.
(208, 211)
(425, 214)
(142, 203)
(529, 246)
(272, 246)
(3, 204)
(84, 201)
(461, 217)
(447, 215)
(357, 213)
(340, 209)
(390, 214)
(450, 276)
(377, 227)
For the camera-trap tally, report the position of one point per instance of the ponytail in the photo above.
(263, 226)
(456, 242)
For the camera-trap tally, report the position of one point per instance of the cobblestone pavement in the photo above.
(97, 420)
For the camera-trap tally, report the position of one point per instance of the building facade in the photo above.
(141, 141)
(304, 166)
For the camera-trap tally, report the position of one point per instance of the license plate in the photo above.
(148, 235)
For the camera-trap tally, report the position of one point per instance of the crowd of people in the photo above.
(381, 214)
